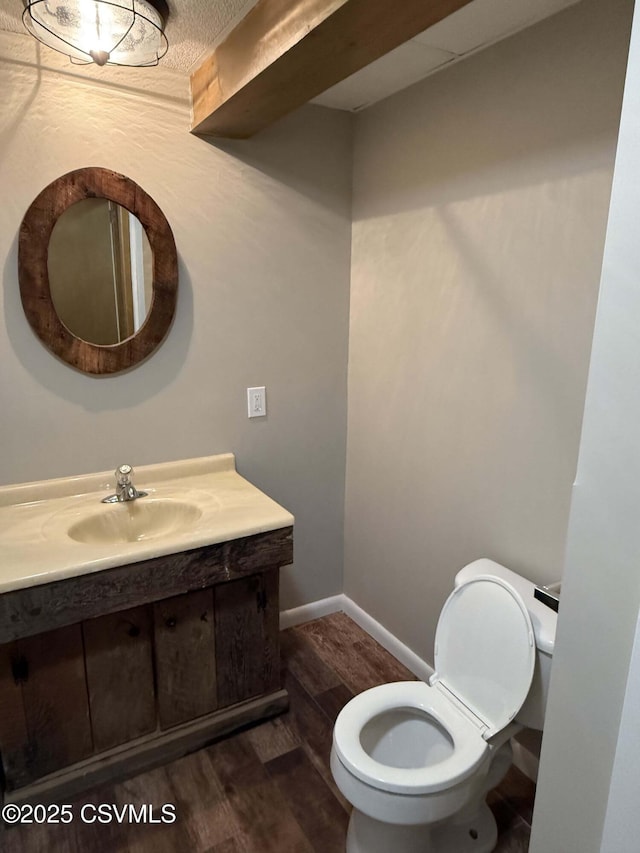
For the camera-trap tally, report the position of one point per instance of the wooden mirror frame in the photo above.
(33, 273)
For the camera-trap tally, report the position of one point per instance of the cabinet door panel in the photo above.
(271, 631)
(119, 663)
(14, 738)
(185, 657)
(247, 651)
(54, 694)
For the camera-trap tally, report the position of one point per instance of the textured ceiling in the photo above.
(194, 28)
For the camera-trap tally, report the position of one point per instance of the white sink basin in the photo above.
(134, 521)
(55, 529)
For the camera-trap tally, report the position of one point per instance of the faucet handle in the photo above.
(125, 490)
(123, 475)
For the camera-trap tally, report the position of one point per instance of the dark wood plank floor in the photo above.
(269, 788)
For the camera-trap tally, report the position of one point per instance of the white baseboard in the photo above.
(389, 641)
(342, 603)
(311, 611)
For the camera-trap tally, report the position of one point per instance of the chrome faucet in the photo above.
(125, 490)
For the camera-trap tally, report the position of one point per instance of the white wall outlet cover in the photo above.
(256, 402)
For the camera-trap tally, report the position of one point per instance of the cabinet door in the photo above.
(247, 642)
(185, 657)
(48, 672)
(14, 738)
(119, 663)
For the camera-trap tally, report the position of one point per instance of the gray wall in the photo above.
(479, 213)
(263, 232)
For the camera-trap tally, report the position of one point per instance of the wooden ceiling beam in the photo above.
(285, 52)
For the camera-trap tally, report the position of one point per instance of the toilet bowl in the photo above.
(416, 760)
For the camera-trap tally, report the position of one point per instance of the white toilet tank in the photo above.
(544, 625)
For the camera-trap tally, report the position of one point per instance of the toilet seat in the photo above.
(469, 747)
(485, 657)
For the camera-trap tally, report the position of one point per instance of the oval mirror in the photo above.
(98, 270)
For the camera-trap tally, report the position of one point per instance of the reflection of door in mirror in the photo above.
(100, 271)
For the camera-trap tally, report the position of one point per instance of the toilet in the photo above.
(417, 760)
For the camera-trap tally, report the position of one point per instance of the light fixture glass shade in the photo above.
(114, 32)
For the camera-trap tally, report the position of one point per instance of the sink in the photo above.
(51, 530)
(135, 521)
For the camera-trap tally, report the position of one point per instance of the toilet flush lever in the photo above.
(547, 596)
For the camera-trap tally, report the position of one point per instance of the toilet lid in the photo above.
(485, 650)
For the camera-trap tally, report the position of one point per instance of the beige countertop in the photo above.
(35, 518)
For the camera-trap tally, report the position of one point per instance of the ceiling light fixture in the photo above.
(107, 32)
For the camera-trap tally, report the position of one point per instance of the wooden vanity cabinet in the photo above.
(91, 690)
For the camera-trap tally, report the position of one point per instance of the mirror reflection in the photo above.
(100, 267)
